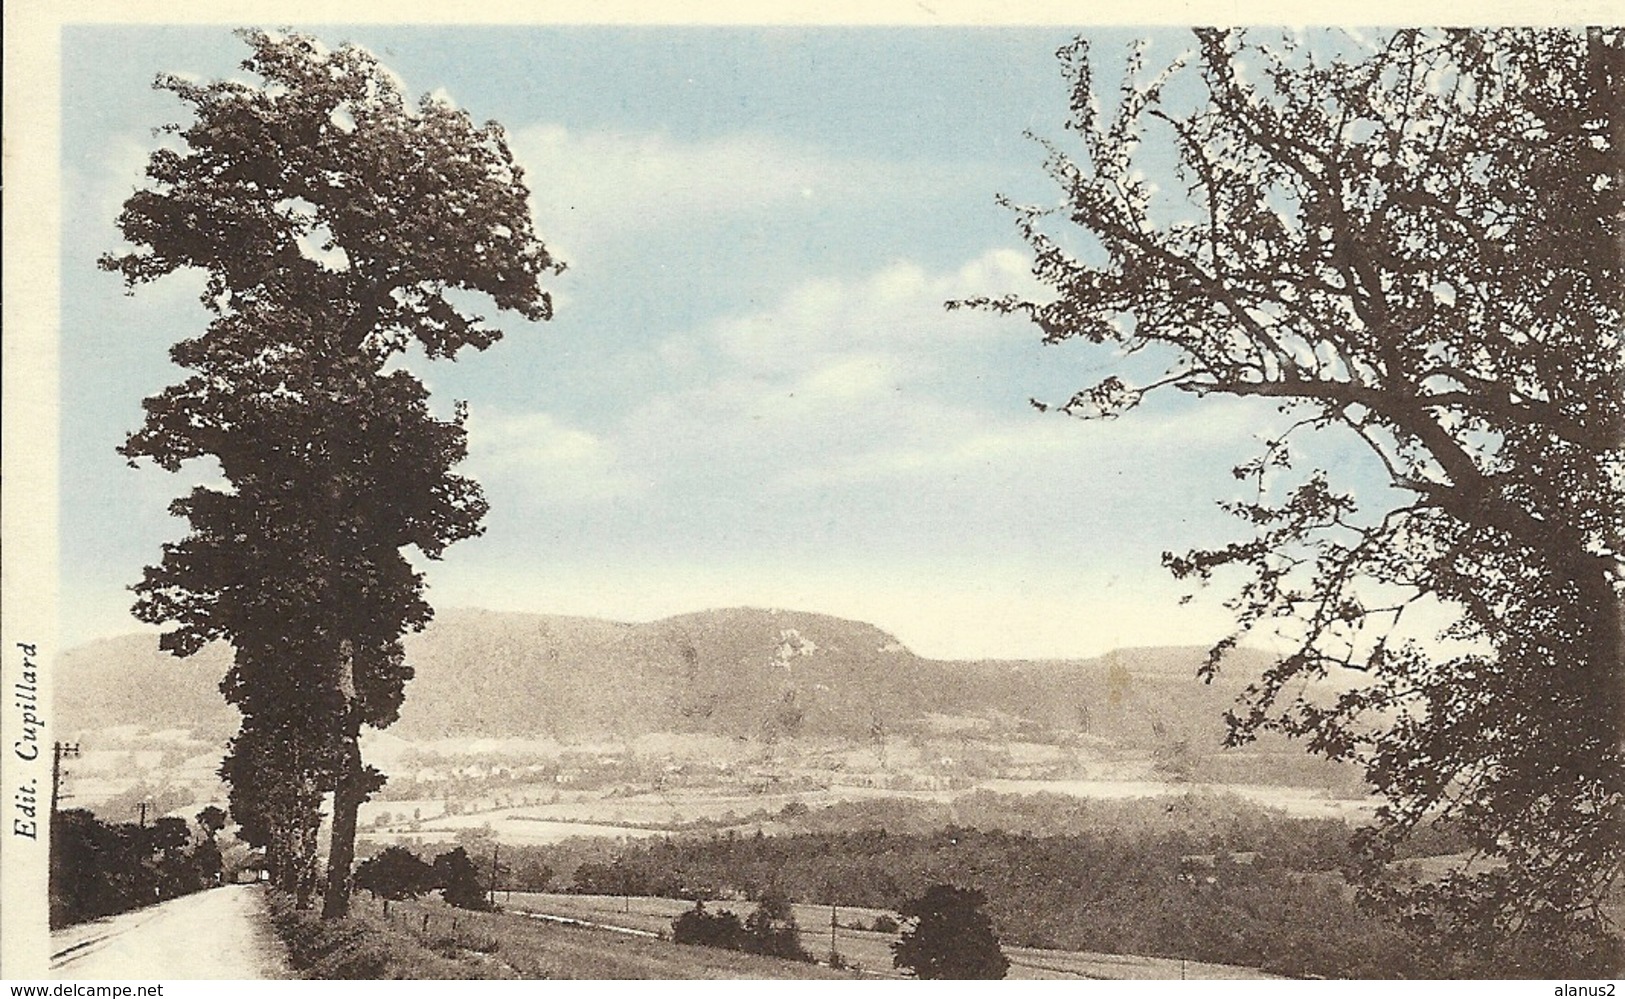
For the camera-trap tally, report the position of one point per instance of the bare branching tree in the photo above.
(1416, 242)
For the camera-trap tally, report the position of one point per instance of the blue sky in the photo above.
(751, 393)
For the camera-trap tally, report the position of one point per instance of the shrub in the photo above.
(459, 880)
(708, 929)
(395, 873)
(951, 937)
(772, 930)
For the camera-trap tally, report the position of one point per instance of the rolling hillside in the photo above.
(737, 672)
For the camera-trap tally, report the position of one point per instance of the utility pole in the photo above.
(143, 806)
(832, 927)
(495, 849)
(59, 752)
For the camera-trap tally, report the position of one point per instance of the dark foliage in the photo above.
(1285, 907)
(338, 224)
(709, 929)
(358, 948)
(211, 819)
(770, 930)
(458, 878)
(101, 869)
(395, 873)
(529, 874)
(951, 937)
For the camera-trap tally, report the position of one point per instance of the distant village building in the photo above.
(1204, 868)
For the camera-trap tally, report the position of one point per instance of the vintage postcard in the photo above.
(613, 493)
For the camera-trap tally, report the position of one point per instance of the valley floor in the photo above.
(636, 813)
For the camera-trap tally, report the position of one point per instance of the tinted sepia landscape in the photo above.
(588, 747)
(1035, 503)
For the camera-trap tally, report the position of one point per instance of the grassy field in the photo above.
(646, 807)
(649, 812)
(511, 945)
(1299, 802)
(870, 951)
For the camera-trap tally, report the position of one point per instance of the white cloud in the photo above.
(856, 377)
(871, 379)
(899, 309)
(960, 440)
(587, 185)
(556, 462)
(838, 383)
(850, 430)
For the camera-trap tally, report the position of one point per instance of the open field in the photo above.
(510, 945)
(609, 815)
(512, 830)
(1299, 802)
(871, 951)
(629, 813)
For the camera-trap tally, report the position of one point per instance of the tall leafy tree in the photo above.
(458, 877)
(951, 936)
(395, 873)
(276, 775)
(338, 224)
(1414, 242)
(210, 820)
(772, 929)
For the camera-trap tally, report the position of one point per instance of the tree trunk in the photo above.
(1608, 655)
(348, 792)
(292, 866)
(1603, 674)
(276, 863)
(306, 834)
(347, 797)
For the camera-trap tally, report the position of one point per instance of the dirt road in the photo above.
(216, 934)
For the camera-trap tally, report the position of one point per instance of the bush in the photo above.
(327, 949)
(459, 880)
(395, 873)
(951, 937)
(708, 929)
(770, 931)
(102, 869)
(795, 810)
